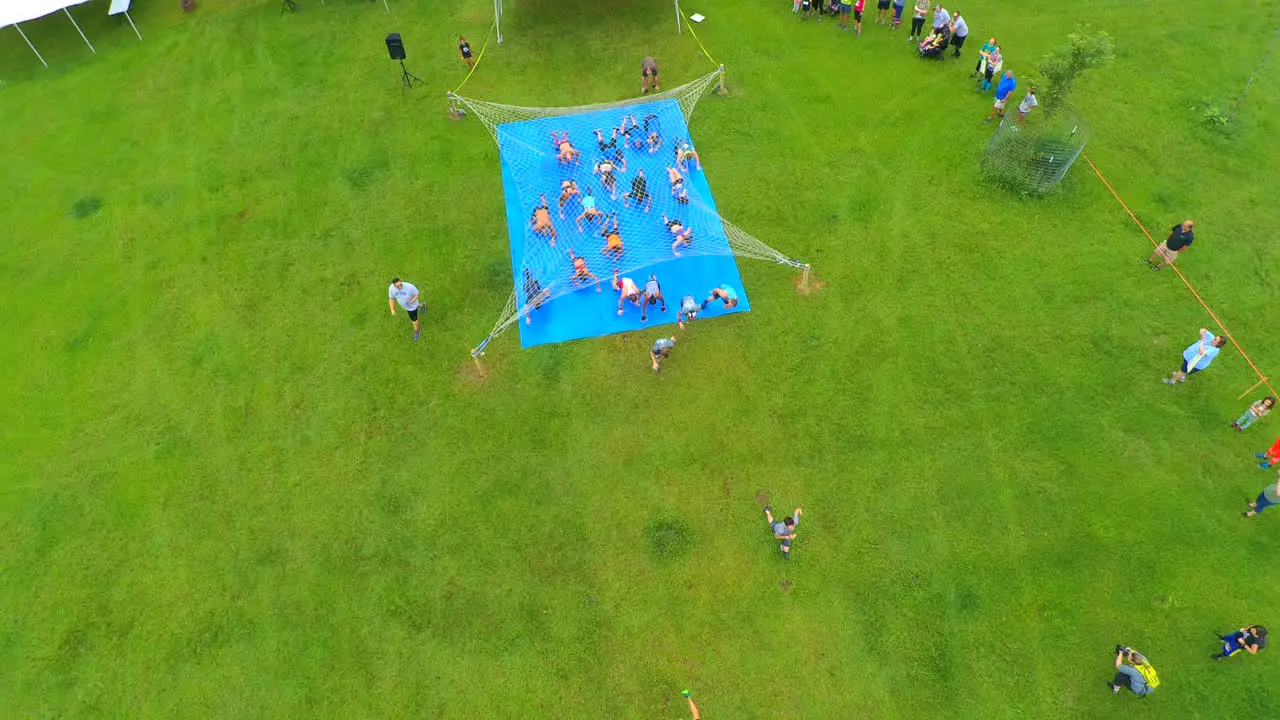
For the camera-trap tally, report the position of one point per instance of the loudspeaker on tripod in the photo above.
(395, 46)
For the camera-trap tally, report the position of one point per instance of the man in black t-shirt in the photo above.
(1251, 639)
(1180, 238)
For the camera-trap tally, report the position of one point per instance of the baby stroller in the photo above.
(929, 49)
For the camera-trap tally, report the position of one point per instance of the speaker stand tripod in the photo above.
(407, 79)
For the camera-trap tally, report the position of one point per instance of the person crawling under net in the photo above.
(639, 191)
(677, 186)
(612, 238)
(565, 151)
(541, 220)
(683, 235)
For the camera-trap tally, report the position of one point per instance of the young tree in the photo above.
(1086, 49)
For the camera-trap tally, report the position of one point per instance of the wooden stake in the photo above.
(804, 279)
(1251, 389)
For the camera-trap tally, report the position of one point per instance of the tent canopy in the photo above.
(13, 12)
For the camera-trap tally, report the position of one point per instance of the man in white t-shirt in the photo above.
(407, 296)
(1028, 104)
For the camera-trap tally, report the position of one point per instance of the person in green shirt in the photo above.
(983, 53)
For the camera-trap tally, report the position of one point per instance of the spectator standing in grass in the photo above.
(784, 531)
(941, 17)
(858, 6)
(1250, 639)
(882, 12)
(648, 75)
(661, 349)
(1269, 496)
(994, 64)
(1134, 672)
(984, 52)
(1259, 409)
(1197, 356)
(1270, 456)
(408, 297)
(1028, 104)
(845, 9)
(919, 12)
(819, 7)
(464, 48)
(959, 31)
(1180, 238)
(898, 6)
(1004, 91)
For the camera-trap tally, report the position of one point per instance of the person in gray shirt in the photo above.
(784, 531)
(407, 296)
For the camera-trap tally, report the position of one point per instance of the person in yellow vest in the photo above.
(1134, 672)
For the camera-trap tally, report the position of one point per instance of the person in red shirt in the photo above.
(1271, 456)
(858, 6)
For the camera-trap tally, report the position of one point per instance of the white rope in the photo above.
(493, 114)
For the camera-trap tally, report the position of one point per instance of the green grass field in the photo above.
(233, 487)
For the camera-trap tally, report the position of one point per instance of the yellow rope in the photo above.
(689, 24)
(478, 57)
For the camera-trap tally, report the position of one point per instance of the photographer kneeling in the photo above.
(1134, 672)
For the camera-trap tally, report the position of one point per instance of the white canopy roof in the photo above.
(13, 12)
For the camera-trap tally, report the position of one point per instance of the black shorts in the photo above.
(413, 314)
(883, 4)
(1189, 371)
(957, 42)
(610, 145)
(857, 16)
(466, 54)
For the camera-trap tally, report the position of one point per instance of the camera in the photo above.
(1124, 650)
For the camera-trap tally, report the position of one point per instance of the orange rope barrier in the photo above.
(1227, 333)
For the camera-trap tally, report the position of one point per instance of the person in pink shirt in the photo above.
(858, 6)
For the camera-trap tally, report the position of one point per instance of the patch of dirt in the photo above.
(762, 498)
(242, 215)
(809, 288)
(785, 584)
(473, 372)
(1159, 341)
(728, 491)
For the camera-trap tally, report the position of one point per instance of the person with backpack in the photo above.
(1134, 672)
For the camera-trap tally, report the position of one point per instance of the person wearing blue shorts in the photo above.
(845, 9)
(1250, 639)
(1269, 496)
(1197, 356)
(589, 211)
(784, 531)
(724, 293)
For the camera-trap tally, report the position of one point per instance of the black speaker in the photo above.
(395, 46)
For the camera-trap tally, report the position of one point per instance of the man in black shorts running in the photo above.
(648, 74)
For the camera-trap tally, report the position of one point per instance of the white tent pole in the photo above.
(82, 37)
(33, 47)
(497, 18)
(385, 5)
(679, 29)
(135, 27)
